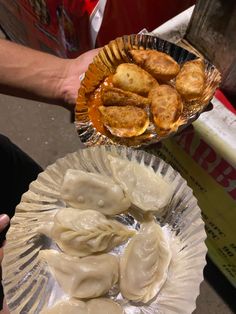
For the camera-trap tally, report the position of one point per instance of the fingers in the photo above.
(4, 221)
(1, 255)
(5, 309)
(85, 59)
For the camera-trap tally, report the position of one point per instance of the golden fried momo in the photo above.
(113, 96)
(162, 66)
(191, 79)
(132, 78)
(166, 106)
(125, 121)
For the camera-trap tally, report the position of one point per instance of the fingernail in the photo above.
(4, 220)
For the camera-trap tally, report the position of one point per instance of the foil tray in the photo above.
(106, 62)
(29, 286)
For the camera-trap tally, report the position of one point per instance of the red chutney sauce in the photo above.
(95, 100)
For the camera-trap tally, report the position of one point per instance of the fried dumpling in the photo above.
(162, 66)
(83, 278)
(190, 81)
(166, 106)
(98, 306)
(145, 188)
(84, 232)
(113, 96)
(144, 264)
(85, 190)
(125, 121)
(131, 77)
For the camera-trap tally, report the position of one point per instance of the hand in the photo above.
(5, 309)
(74, 69)
(4, 221)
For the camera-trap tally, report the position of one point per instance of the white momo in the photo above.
(104, 306)
(85, 190)
(83, 278)
(144, 264)
(84, 232)
(71, 307)
(145, 188)
(98, 306)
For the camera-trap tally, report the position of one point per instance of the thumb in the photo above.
(5, 309)
(1, 257)
(4, 221)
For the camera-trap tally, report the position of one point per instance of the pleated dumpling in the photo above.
(84, 232)
(71, 306)
(124, 121)
(162, 66)
(190, 81)
(104, 306)
(98, 306)
(86, 190)
(132, 78)
(83, 278)
(145, 188)
(144, 264)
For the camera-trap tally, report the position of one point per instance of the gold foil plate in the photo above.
(106, 62)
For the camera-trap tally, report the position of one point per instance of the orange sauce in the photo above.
(95, 100)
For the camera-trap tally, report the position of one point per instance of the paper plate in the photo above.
(105, 63)
(28, 284)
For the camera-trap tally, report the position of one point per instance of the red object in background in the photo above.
(124, 17)
(59, 27)
(68, 28)
(224, 100)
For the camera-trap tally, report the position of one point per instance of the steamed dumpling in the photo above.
(85, 190)
(104, 306)
(145, 188)
(98, 306)
(83, 278)
(71, 307)
(144, 264)
(84, 232)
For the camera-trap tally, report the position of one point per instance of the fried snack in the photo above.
(125, 121)
(190, 81)
(113, 96)
(158, 64)
(166, 106)
(132, 78)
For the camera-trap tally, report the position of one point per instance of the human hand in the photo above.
(4, 221)
(74, 68)
(5, 309)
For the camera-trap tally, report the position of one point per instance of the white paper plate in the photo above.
(28, 284)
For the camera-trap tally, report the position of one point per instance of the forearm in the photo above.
(32, 74)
